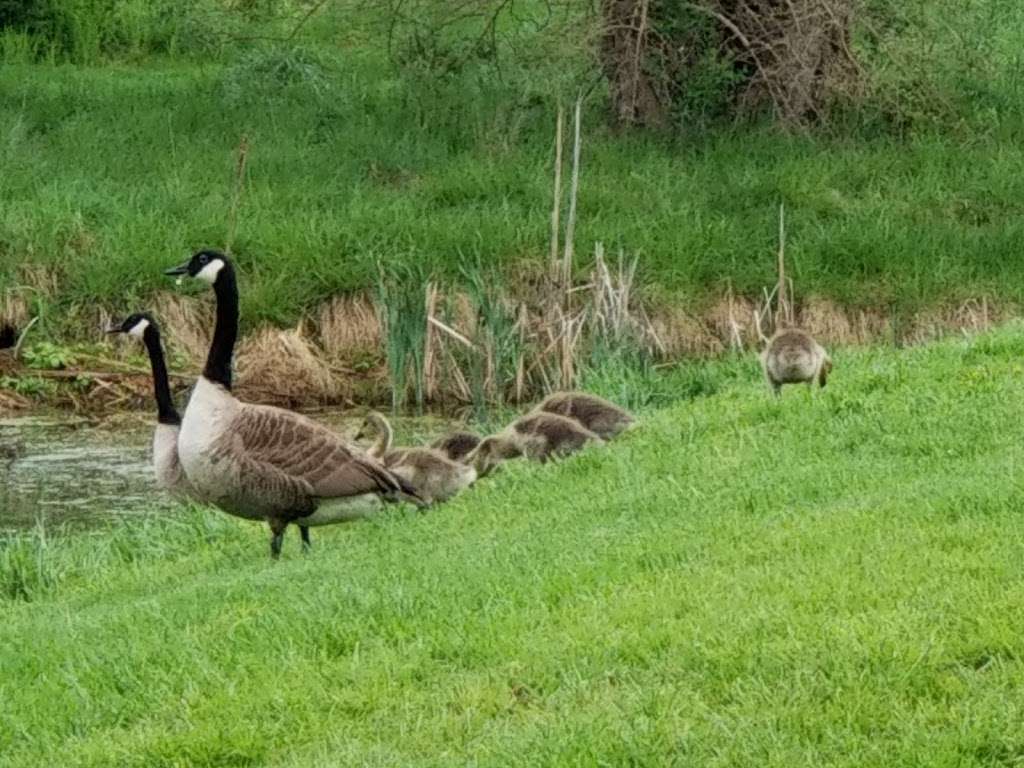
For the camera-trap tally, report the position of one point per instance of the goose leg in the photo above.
(306, 545)
(277, 527)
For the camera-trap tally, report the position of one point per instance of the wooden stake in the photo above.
(556, 204)
(570, 224)
(783, 314)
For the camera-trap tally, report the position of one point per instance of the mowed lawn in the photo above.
(827, 581)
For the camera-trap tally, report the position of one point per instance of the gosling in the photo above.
(435, 477)
(539, 436)
(457, 445)
(792, 356)
(603, 418)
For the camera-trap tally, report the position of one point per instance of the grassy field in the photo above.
(117, 157)
(827, 581)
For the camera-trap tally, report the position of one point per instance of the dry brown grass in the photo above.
(972, 316)
(285, 367)
(13, 309)
(831, 324)
(15, 300)
(681, 334)
(349, 327)
(732, 320)
(185, 321)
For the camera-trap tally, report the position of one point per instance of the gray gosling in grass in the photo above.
(434, 476)
(538, 436)
(792, 356)
(166, 465)
(600, 416)
(457, 445)
(264, 463)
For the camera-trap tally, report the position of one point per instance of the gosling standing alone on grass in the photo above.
(434, 476)
(457, 445)
(539, 436)
(600, 416)
(264, 463)
(169, 474)
(792, 356)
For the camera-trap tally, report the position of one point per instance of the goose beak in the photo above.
(177, 271)
(113, 328)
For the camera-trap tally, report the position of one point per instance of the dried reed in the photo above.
(284, 366)
(349, 327)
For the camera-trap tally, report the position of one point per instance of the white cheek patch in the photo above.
(208, 274)
(139, 328)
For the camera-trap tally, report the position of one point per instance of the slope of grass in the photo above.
(110, 174)
(832, 581)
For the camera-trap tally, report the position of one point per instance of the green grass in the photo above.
(110, 174)
(119, 123)
(827, 581)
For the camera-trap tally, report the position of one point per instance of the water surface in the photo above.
(79, 473)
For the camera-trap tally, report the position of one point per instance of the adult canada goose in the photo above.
(457, 445)
(792, 356)
(261, 462)
(539, 436)
(600, 416)
(434, 476)
(166, 465)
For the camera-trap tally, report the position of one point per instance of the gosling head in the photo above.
(205, 265)
(490, 452)
(372, 425)
(134, 325)
(457, 446)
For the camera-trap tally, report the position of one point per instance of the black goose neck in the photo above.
(165, 410)
(225, 331)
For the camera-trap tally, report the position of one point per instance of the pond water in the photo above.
(77, 473)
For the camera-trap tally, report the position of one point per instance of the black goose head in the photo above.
(134, 325)
(205, 265)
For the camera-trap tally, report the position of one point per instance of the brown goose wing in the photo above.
(285, 442)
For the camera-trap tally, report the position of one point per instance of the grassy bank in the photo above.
(112, 173)
(371, 154)
(810, 582)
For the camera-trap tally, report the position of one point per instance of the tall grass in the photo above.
(402, 303)
(496, 365)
